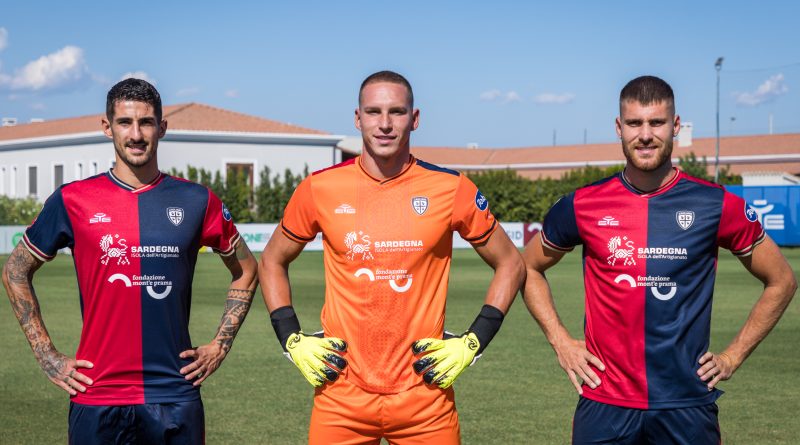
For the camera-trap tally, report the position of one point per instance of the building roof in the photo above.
(190, 116)
(779, 152)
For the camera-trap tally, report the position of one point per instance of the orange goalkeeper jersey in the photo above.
(387, 249)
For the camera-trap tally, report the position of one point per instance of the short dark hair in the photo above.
(133, 89)
(647, 90)
(387, 76)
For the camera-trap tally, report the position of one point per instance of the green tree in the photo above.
(18, 211)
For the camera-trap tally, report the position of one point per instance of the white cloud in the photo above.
(3, 39)
(38, 106)
(491, 95)
(232, 93)
(767, 91)
(512, 96)
(138, 75)
(54, 70)
(553, 98)
(190, 91)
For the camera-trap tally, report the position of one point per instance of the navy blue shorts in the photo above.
(181, 423)
(600, 423)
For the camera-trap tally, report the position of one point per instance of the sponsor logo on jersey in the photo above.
(662, 288)
(608, 221)
(662, 253)
(226, 213)
(114, 247)
(419, 204)
(175, 215)
(358, 244)
(345, 209)
(770, 222)
(621, 248)
(393, 276)
(750, 213)
(481, 202)
(151, 282)
(685, 218)
(99, 218)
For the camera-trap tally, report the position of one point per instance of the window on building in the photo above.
(2, 180)
(79, 170)
(58, 176)
(12, 182)
(33, 180)
(93, 169)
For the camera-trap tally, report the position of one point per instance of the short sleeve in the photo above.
(739, 228)
(219, 232)
(51, 230)
(299, 221)
(471, 216)
(560, 228)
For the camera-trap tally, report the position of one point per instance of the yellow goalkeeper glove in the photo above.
(317, 358)
(446, 359)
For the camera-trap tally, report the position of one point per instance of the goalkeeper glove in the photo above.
(447, 358)
(316, 357)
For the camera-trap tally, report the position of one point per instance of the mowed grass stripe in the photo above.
(516, 393)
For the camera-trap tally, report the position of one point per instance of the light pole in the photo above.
(718, 66)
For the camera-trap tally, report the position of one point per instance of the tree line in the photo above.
(512, 197)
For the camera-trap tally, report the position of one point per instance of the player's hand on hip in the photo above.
(206, 360)
(445, 359)
(318, 358)
(577, 362)
(715, 368)
(63, 371)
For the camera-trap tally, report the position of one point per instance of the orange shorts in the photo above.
(346, 414)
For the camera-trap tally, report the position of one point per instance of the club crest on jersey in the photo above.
(685, 218)
(358, 244)
(620, 251)
(99, 218)
(118, 251)
(419, 204)
(226, 213)
(175, 215)
(750, 213)
(481, 202)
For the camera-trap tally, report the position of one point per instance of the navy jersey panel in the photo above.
(681, 268)
(174, 212)
(51, 230)
(560, 230)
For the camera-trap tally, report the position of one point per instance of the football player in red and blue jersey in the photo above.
(650, 237)
(134, 234)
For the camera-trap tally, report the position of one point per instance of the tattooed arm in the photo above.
(18, 281)
(208, 358)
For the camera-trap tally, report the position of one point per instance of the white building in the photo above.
(36, 158)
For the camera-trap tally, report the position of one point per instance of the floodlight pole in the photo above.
(718, 66)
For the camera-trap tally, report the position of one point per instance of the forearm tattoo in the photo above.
(236, 307)
(18, 274)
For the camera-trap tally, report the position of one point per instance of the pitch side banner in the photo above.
(778, 209)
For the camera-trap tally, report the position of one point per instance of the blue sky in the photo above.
(500, 74)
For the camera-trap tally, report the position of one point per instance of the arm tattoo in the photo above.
(18, 276)
(236, 307)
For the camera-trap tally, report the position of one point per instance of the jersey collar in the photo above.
(131, 188)
(411, 163)
(674, 180)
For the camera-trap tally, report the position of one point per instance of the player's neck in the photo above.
(385, 167)
(648, 181)
(136, 176)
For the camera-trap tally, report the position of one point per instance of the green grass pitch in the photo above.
(516, 394)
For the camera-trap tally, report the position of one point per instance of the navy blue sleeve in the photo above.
(51, 230)
(560, 229)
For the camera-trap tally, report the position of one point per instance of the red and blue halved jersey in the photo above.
(135, 252)
(649, 266)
